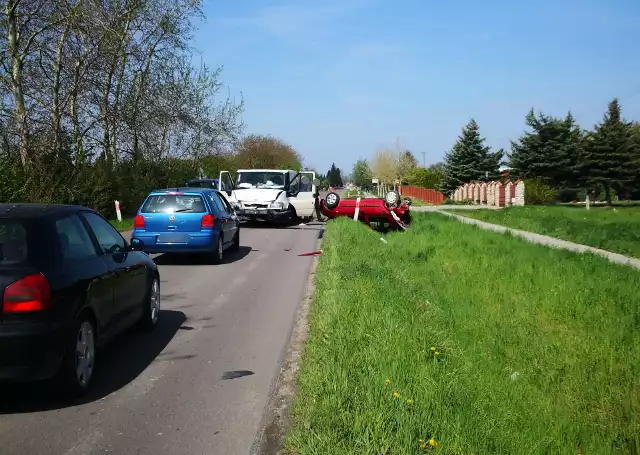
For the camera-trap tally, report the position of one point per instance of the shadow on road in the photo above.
(201, 259)
(116, 366)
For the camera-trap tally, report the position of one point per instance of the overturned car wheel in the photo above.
(332, 200)
(392, 199)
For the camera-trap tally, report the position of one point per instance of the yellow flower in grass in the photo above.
(433, 442)
(409, 402)
(387, 381)
(432, 348)
(436, 353)
(396, 395)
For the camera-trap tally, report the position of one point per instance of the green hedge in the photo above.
(92, 185)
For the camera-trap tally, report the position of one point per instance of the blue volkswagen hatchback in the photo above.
(187, 220)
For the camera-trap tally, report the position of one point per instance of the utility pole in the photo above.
(424, 159)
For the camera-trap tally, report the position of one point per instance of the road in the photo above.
(196, 385)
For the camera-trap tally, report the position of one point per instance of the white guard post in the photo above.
(118, 213)
(357, 212)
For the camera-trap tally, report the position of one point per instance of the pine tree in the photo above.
(550, 151)
(334, 176)
(469, 159)
(609, 152)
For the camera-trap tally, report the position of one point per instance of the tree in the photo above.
(424, 178)
(409, 159)
(549, 152)
(406, 162)
(609, 153)
(91, 90)
(384, 166)
(469, 159)
(361, 173)
(334, 176)
(437, 167)
(267, 152)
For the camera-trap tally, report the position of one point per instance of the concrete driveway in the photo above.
(199, 383)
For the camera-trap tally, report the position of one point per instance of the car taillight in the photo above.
(138, 222)
(31, 293)
(207, 222)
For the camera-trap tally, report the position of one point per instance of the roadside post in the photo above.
(355, 214)
(118, 213)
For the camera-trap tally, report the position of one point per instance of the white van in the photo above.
(275, 195)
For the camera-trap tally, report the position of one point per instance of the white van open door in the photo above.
(302, 192)
(226, 186)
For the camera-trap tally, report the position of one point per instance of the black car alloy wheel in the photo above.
(152, 305)
(79, 362)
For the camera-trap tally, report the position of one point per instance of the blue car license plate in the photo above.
(177, 237)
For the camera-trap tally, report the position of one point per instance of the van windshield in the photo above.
(274, 180)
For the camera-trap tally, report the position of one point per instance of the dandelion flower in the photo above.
(396, 395)
(387, 381)
(432, 348)
(409, 402)
(436, 353)
(433, 442)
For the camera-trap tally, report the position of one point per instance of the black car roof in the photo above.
(25, 210)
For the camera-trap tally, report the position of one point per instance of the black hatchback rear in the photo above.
(68, 281)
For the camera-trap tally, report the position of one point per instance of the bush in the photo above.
(424, 178)
(56, 180)
(538, 192)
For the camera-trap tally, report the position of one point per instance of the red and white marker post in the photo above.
(118, 213)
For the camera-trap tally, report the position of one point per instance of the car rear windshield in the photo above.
(14, 248)
(172, 203)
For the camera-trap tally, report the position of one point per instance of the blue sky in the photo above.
(339, 79)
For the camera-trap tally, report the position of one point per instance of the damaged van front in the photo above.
(270, 195)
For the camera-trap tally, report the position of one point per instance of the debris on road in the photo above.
(311, 253)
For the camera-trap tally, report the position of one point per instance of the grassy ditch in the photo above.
(612, 229)
(123, 226)
(449, 339)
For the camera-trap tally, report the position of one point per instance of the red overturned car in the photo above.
(391, 210)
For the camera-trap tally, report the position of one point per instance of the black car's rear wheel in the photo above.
(151, 312)
(79, 362)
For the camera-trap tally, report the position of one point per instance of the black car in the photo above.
(202, 183)
(69, 283)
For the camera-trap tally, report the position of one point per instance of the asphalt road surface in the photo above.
(199, 383)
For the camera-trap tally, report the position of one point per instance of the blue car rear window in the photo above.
(161, 203)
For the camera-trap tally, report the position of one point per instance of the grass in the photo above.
(538, 349)
(602, 227)
(419, 203)
(125, 225)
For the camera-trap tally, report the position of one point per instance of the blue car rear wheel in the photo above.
(236, 240)
(218, 252)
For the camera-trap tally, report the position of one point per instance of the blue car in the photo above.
(187, 220)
